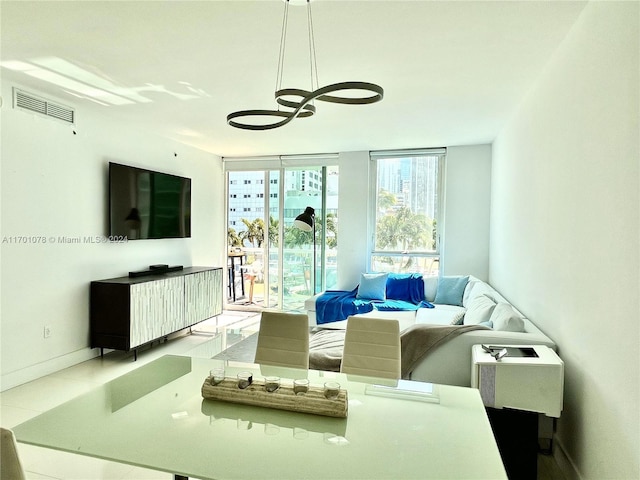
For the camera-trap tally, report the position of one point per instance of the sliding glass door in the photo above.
(248, 237)
(271, 262)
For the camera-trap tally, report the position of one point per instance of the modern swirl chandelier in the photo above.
(300, 101)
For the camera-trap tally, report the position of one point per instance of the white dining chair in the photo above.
(283, 339)
(372, 347)
(10, 465)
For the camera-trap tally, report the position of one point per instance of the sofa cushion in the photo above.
(373, 286)
(440, 315)
(473, 281)
(476, 289)
(430, 288)
(450, 290)
(479, 310)
(310, 303)
(505, 318)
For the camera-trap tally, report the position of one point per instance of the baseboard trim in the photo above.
(563, 460)
(52, 365)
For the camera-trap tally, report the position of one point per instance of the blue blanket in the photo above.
(408, 287)
(404, 292)
(336, 305)
(391, 305)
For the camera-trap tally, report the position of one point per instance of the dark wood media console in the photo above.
(129, 312)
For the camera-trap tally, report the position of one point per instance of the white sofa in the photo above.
(450, 362)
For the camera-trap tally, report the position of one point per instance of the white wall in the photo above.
(54, 184)
(565, 231)
(466, 232)
(467, 200)
(353, 212)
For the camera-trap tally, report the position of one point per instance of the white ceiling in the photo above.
(453, 71)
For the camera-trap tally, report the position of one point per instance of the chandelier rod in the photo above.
(283, 44)
(313, 62)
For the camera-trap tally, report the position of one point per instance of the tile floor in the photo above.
(208, 338)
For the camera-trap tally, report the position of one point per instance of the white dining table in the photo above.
(155, 417)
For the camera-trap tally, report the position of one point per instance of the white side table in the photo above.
(534, 384)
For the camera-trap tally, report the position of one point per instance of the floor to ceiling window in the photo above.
(271, 263)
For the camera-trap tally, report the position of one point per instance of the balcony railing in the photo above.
(248, 282)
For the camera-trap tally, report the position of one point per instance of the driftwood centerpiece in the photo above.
(283, 398)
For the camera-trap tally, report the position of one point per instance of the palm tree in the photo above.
(273, 231)
(294, 237)
(388, 232)
(332, 230)
(404, 231)
(254, 232)
(416, 231)
(233, 239)
(386, 200)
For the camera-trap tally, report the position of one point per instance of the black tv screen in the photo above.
(146, 204)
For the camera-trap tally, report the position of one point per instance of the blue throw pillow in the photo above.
(373, 286)
(450, 290)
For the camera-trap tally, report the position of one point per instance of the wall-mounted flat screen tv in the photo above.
(146, 204)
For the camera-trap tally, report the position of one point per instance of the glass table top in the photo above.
(155, 417)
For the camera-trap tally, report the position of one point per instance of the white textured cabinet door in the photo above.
(203, 296)
(156, 307)
(173, 305)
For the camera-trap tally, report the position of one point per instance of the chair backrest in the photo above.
(283, 339)
(372, 347)
(10, 466)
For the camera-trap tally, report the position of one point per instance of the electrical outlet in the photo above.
(47, 331)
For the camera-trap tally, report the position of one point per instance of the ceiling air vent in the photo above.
(33, 103)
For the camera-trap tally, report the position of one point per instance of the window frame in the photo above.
(374, 157)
